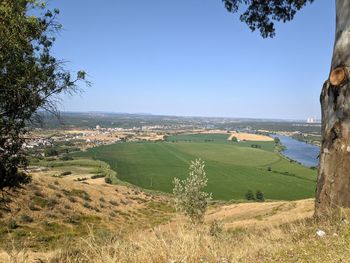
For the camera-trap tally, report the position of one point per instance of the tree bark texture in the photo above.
(333, 183)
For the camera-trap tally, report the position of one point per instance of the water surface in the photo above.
(304, 153)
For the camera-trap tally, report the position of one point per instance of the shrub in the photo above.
(12, 224)
(249, 195)
(108, 180)
(234, 139)
(97, 176)
(102, 199)
(37, 200)
(86, 196)
(49, 152)
(52, 186)
(38, 193)
(66, 157)
(87, 205)
(80, 179)
(257, 146)
(33, 207)
(72, 199)
(112, 214)
(66, 173)
(113, 202)
(259, 196)
(51, 202)
(26, 218)
(215, 228)
(189, 195)
(58, 195)
(269, 169)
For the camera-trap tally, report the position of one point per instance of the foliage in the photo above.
(259, 196)
(49, 152)
(256, 146)
(189, 195)
(215, 228)
(30, 79)
(66, 157)
(66, 173)
(108, 180)
(234, 139)
(260, 14)
(26, 218)
(249, 195)
(96, 176)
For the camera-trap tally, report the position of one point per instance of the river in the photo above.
(304, 153)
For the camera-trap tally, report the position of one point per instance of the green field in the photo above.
(232, 168)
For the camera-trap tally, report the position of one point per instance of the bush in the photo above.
(72, 199)
(33, 207)
(49, 152)
(259, 196)
(80, 179)
(269, 169)
(249, 195)
(66, 157)
(113, 202)
(12, 224)
(38, 193)
(189, 197)
(66, 173)
(255, 146)
(234, 139)
(215, 228)
(97, 176)
(26, 218)
(87, 205)
(108, 180)
(51, 202)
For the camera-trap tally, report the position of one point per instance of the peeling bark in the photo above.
(333, 184)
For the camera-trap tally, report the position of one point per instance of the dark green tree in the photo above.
(259, 196)
(333, 182)
(261, 14)
(30, 80)
(249, 195)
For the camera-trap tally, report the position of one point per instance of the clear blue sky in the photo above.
(191, 57)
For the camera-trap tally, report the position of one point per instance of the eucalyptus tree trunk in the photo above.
(333, 184)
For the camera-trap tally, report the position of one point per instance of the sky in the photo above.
(193, 58)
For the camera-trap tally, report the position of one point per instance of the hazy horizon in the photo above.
(184, 116)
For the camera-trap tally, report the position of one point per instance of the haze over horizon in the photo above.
(193, 58)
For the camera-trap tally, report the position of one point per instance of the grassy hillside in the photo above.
(59, 219)
(232, 168)
(55, 208)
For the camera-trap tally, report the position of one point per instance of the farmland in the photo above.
(232, 168)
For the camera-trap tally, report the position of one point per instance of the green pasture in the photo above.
(232, 168)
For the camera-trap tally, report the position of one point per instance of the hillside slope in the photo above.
(62, 220)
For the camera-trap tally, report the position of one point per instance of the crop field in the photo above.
(232, 168)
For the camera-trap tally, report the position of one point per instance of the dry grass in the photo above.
(249, 137)
(123, 224)
(272, 240)
(294, 242)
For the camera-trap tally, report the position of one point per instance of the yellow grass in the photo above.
(249, 137)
